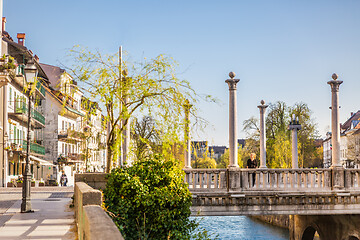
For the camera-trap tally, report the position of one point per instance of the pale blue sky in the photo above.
(281, 50)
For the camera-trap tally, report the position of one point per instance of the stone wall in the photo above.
(95, 180)
(276, 220)
(92, 221)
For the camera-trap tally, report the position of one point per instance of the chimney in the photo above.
(3, 23)
(21, 39)
(36, 58)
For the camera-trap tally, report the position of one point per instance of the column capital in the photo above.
(232, 81)
(187, 104)
(263, 105)
(294, 127)
(335, 84)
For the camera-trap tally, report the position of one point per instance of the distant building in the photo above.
(241, 142)
(216, 151)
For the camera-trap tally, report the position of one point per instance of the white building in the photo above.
(14, 115)
(64, 124)
(94, 146)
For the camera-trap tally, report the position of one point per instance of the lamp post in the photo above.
(30, 75)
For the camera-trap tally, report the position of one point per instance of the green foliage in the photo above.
(203, 162)
(145, 137)
(150, 200)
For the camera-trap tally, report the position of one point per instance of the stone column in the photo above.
(262, 108)
(187, 137)
(294, 126)
(335, 126)
(232, 121)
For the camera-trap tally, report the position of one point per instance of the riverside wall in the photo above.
(276, 220)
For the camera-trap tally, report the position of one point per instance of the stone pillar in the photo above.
(337, 169)
(187, 137)
(335, 126)
(232, 121)
(294, 126)
(262, 108)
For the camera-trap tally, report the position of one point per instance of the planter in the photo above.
(32, 184)
(10, 184)
(41, 184)
(19, 184)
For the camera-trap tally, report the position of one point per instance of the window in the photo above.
(62, 125)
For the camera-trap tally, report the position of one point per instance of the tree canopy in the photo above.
(125, 89)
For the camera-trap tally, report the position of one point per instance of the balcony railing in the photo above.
(40, 87)
(21, 107)
(71, 134)
(21, 145)
(34, 147)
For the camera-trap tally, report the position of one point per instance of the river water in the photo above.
(241, 227)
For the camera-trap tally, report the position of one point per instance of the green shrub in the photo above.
(150, 200)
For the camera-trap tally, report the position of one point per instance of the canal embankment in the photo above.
(276, 220)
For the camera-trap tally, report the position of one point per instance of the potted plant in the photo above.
(19, 183)
(41, 184)
(7, 63)
(32, 183)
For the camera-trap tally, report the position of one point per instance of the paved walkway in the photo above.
(52, 218)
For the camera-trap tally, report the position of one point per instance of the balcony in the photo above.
(70, 135)
(21, 110)
(40, 88)
(34, 147)
(21, 145)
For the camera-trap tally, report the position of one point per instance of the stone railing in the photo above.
(279, 180)
(95, 180)
(92, 221)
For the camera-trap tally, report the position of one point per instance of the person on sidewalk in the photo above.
(63, 179)
(252, 163)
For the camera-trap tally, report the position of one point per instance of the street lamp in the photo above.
(30, 75)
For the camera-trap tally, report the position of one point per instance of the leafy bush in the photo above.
(150, 200)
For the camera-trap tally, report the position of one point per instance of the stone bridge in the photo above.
(274, 191)
(326, 201)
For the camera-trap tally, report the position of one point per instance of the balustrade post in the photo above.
(262, 108)
(232, 121)
(337, 168)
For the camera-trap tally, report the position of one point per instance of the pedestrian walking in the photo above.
(63, 179)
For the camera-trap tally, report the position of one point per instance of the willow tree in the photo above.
(125, 89)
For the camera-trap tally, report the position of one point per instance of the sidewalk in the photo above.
(52, 219)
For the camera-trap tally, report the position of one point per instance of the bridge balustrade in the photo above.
(287, 180)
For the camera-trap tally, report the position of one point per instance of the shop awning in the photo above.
(41, 161)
